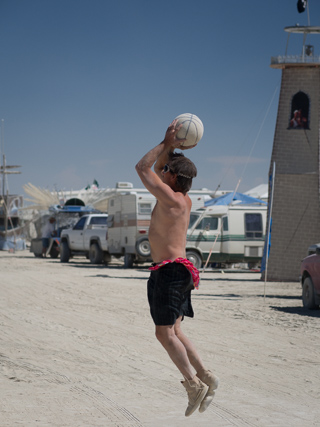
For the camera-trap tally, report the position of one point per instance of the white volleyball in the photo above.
(191, 129)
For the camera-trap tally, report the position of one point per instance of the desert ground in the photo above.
(77, 348)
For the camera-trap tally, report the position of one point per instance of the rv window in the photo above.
(112, 202)
(99, 220)
(253, 225)
(110, 221)
(144, 208)
(225, 223)
(209, 223)
(193, 219)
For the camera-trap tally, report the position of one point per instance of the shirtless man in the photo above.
(173, 276)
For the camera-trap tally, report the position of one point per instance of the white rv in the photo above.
(129, 217)
(229, 234)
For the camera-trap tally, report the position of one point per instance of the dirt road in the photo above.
(77, 348)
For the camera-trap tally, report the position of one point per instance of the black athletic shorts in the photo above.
(169, 293)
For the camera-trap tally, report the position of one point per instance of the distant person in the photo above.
(298, 121)
(172, 276)
(47, 231)
(295, 122)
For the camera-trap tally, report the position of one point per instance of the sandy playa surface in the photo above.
(77, 348)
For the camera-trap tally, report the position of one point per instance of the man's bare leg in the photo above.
(205, 376)
(191, 350)
(175, 349)
(195, 388)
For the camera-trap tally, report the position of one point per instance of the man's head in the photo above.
(184, 170)
(52, 220)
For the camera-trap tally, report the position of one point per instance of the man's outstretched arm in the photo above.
(159, 155)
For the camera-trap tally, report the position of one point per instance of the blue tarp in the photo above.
(242, 199)
(71, 209)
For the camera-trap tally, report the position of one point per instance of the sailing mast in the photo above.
(4, 170)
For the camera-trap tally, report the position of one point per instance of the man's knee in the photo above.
(164, 333)
(160, 334)
(179, 333)
(177, 327)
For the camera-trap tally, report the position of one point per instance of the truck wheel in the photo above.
(54, 253)
(143, 247)
(195, 258)
(308, 294)
(64, 252)
(106, 257)
(252, 265)
(128, 260)
(95, 254)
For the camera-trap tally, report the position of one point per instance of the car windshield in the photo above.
(193, 219)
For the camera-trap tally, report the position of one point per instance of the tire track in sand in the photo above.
(26, 372)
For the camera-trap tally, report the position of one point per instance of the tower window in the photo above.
(299, 118)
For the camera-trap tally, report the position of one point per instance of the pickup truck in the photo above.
(87, 237)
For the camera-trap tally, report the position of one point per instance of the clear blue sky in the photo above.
(87, 87)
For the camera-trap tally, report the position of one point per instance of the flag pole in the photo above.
(269, 229)
(210, 252)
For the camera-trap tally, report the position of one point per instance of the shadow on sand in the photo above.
(204, 279)
(301, 311)
(237, 296)
(106, 276)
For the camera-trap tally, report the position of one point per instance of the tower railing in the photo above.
(295, 59)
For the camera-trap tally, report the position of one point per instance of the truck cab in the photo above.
(87, 237)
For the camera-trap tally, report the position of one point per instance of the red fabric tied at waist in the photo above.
(188, 264)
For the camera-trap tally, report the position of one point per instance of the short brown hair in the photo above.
(185, 170)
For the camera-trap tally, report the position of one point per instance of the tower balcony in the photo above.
(307, 57)
(282, 61)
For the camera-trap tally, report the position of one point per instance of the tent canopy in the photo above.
(235, 199)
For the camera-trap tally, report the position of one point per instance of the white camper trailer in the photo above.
(129, 217)
(232, 234)
(128, 225)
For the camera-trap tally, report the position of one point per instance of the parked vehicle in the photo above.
(310, 280)
(88, 237)
(231, 233)
(65, 217)
(312, 248)
(129, 220)
(128, 225)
